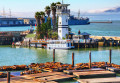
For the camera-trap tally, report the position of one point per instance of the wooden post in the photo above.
(110, 56)
(78, 44)
(29, 43)
(35, 45)
(8, 77)
(53, 55)
(90, 59)
(73, 59)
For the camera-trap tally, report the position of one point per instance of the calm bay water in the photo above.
(18, 56)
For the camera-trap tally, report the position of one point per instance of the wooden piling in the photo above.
(78, 44)
(73, 59)
(110, 53)
(8, 77)
(90, 59)
(35, 45)
(29, 43)
(53, 55)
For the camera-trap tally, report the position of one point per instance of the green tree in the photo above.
(55, 35)
(48, 10)
(53, 8)
(42, 20)
(37, 17)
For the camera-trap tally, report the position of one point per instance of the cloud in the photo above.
(101, 10)
(23, 14)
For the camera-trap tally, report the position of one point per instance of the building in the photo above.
(5, 22)
(63, 14)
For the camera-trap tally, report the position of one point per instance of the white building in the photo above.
(63, 14)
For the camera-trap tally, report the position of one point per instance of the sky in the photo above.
(27, 8)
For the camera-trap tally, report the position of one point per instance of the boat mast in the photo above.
(4, 12)
(62, 1)
(10, 13)
(79, 13)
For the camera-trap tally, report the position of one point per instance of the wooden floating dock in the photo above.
(70, 72)
(101, 80)
(94, 74)
(113, 69)
(46, 77)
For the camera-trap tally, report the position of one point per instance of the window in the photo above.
(66, 20)
(60, 22)
(59, 30)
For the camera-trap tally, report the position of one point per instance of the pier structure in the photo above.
(63, 13)
(8, 37)
(7, 22)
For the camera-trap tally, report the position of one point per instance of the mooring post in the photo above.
(8, 77)
(90, 59)
(29, 43)
(78, 44)
(110, 55)
(73, 59)
(53, 55)
(35, 45)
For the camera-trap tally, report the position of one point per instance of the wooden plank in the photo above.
(70, 72)
(113, 69)
(94, 74)
(56, 77)
(101, 80)
(18, 80)
(39, 75)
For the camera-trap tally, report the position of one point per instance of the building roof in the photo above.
(85, 33)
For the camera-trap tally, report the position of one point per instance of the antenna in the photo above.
(10, 13)
(3, 12)
(62, 1)
(79, 13)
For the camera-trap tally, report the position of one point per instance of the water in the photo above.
(18, 56)
(99, 29)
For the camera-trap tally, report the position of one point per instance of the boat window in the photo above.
(60, 22)
(68, 44)
(66, 20)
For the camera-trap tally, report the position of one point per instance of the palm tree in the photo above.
(37, 17)
(53, 8)
(42, 20)
(47, 10)
(58, 3)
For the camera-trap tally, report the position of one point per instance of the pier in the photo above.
(8, 37)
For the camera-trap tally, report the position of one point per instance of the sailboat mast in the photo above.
(10, 13)
(79, 13)
(4, 12)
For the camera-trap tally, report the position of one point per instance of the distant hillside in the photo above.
(113, 10)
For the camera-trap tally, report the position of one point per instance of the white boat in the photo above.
(59, 44)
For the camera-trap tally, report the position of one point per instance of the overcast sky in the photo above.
(28, 7)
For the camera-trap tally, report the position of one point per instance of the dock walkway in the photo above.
(101, 80)
(47, 77)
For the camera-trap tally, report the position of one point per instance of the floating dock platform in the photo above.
(101, 80)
